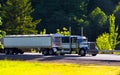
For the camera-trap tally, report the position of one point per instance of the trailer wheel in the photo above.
(45, 52)
(6, 51)
(21, 52)
(82, 52)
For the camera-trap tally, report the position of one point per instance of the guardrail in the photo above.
(108, 51)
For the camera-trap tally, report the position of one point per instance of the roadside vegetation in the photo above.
(2, 33)
(109, 41)
(34, 68)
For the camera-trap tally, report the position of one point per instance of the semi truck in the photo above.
(79, 45)
(49, 44)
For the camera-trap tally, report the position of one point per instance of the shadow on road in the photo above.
(41, 58)
(34, 57)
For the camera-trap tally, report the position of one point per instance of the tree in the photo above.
(43, 32)
(117, 14)
(98, 16)
(106, 5)
(64, 31)
(2, 33)
(56, 14)
(98, 20)
(17, 17)
(113, 32)
(108, 41)
(103, 42)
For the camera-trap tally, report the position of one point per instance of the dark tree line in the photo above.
(93, 15)
(76, 14)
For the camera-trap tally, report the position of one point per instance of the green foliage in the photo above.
(43, 32)
(63, 13)
(0, 21)
(98, 20)
(113, 32)
(64, 31)
(106, 5)
(103, 42)
(117, 14)
(117, 9)
(17, 17)
(60, 13)
(98, 16)
(109, 41)
(2, 33)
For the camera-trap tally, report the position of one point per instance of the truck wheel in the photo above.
(62, 54)
(94, 54)
(21, 52)
(51, 52)
(45, 52)
(11, 52)
(82, 52)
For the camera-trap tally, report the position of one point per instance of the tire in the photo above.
(94, 54)
(62, 54)
(45, 52)
(51, 52)
(11, 51)
(16, 53)
(6, 51)
(21, 52)
(82, 52)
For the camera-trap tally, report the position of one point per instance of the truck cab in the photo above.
(68, 44)
(78, 44)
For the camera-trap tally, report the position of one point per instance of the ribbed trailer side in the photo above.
(27, 42)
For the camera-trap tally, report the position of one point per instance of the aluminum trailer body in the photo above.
(14, 43)
(27, 41)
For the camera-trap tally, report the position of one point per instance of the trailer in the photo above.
(13, 44)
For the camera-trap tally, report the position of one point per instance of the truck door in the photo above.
(69, 42)
(66, 42)
(73, 43)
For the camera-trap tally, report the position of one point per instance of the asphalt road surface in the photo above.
(101, 59)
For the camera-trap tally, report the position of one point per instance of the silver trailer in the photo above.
(14, 43)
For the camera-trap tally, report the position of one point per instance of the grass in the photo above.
(36, 68)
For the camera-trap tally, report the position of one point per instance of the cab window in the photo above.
(65, 39)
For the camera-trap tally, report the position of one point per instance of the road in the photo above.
(106, 57)
(103, 59)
